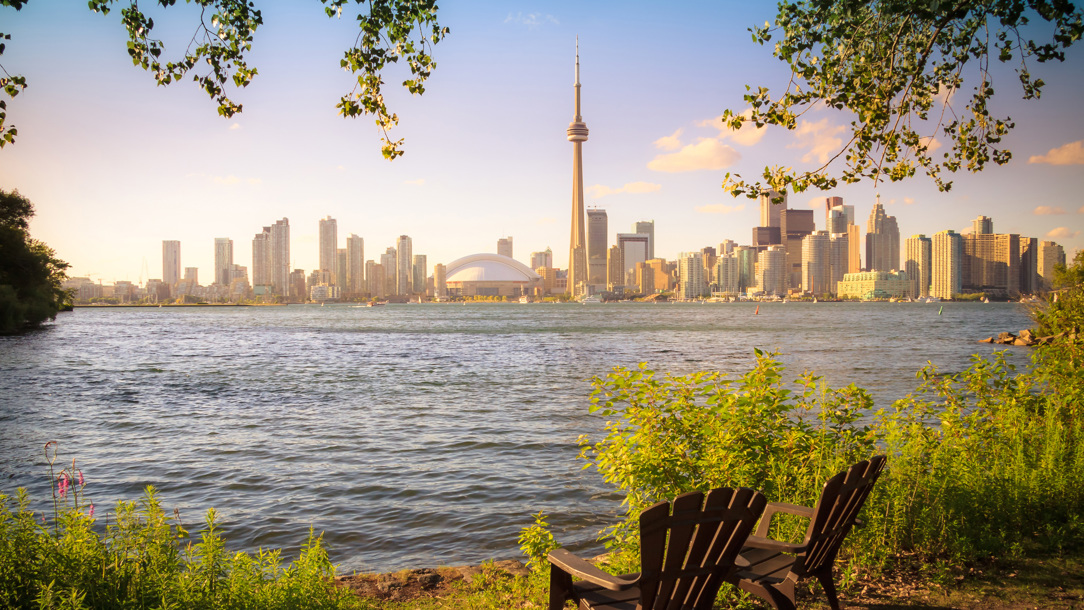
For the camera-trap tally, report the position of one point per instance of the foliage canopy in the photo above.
(390, 30)
(898, 67)
(30, 273)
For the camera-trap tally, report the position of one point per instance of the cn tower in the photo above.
(577, 248)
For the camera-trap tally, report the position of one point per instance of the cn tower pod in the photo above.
(577, 129)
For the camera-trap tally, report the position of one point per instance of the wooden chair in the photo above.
(775, 567)
(685, 556)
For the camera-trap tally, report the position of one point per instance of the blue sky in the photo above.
(115, 165)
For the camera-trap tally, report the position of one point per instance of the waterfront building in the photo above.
(747, 268)
(549, 280)
(816, 263)
(297, 285)
(171, 262)
(1029, 265)
(342, 267)
(577, 248)
(615, 268)
(794, 225)
(874, 285)
(542, 259)
(1050, 254)
(772, 271)
(280, 258)
(947, 252)
(991, 263)
(708, 257)
(770, 212)
(839, 249)
(983, 225)
(261, 262)
(645, 278)
(223, 260)
(633, 248)
(691, 275)
(727, 275)
(597, 247)
(375, 278)
(836, 204)
(418, 274)
(836, 221)
(766, 236)
(404, 280)
(727, 246)
(440, 280)
(662, 274)
(491, 275)
(882, 240)
(387, 263)
(646, 227)
(918, 263)
(329, 245)
(854, 248)
(355, 266)
(504, 246)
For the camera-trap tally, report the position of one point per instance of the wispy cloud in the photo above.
(748, 135)
(232, 180)
(532, 20)
(1046, 210)
(670, 142)
(816, 203)
(1068, 154)
(820, 138)
(599, 191)
(1081, 210)
(235, 126)
(418, 182)
(708, 153)
(1062, 233)
(720, 208)
(908, 201)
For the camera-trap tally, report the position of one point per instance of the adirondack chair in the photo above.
(685, 556)
(775, 567)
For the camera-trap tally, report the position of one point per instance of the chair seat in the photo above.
(765, 566)
(593, 597)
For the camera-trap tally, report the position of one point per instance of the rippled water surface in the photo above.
(413, 435)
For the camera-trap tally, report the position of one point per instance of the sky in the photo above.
(115, 165)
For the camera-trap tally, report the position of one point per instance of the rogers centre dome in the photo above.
(490, 275)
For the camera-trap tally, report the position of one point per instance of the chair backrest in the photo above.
(835, 514)
(686, 554)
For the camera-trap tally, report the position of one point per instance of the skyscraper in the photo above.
(388, 262)
(794, 225)
(882, 240)
(223, 260)
(770, 212)
(983, 225)
(991, 263)
(171, 262)
(646, 227)
(727, 274)
(947, 256)
(691, 274)
(918, 263)
(577, 248)
(633, 248)
(504, 246)
(772, 270)
(342, 266)
(838, 265)
(329, 245)
(1050, 254)
(816, 263)
(542, 260)
(261, 261)
(418, 274)
(404, 255)
(355, 270)
(280, 259)
(615, 268)
(440, 280)
(596, 247)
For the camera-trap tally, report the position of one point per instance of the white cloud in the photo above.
(1081, 210)
(820, 138)
(931, 143)
(1068, 154)
(254, 181)
(1046, 210)
(670, 142)
(816, 202)
(908, 201)
(708, 153)
(532, 20)
(235, 126)
(231, 179)
(748, 135)
(418, 182)
(720, 208)
(1062, 233)
(598, 191)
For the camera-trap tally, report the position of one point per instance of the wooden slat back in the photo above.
(836, 512)
(687, 553)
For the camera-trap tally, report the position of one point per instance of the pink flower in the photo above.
(91, 511)
(62, 486)
(80, 478)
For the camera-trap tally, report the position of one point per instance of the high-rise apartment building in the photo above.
(615, 268)
(374, 279)
(577, 246)
(794, 225)
(223, 260)
(840, 246)
(770, 211)
(542, 259)
(661, 273)
(418, 274)
(1029, 265)
(854, 248)
(727, 276)
(708, 257)
(726, 246)
(991, 263)
(918, 263)
(388, 262)
(404, 276)
(633, 250)
(816, 263)
(983, 225)
(297, 286)
(261, 261)
(280, 258)
(645, 278)
(772, 271)
(691, 275)
(504, 246)
(947, 253)
(440, 280)
(342, 266)
(1050, 254)
(747, 268)
(355, 266)
(329, 245)
(837, 221)
(766, 236)
(882, 240)
(646, 227)
(171, 262)
(597, 247)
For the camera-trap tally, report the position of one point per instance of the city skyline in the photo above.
(194, 177)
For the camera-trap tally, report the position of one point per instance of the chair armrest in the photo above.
(760, 542)
(584, 570)
(780, 507)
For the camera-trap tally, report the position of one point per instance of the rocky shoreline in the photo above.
(1025, 338)
(407, 585)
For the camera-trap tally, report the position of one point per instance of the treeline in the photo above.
(30, 272)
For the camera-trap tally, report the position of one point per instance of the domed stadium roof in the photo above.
(489, 268)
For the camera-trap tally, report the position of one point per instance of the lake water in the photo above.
(412, 435)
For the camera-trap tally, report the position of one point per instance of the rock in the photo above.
(512, 566)
(1025, 338)
(987, 340)
(1005, 338)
